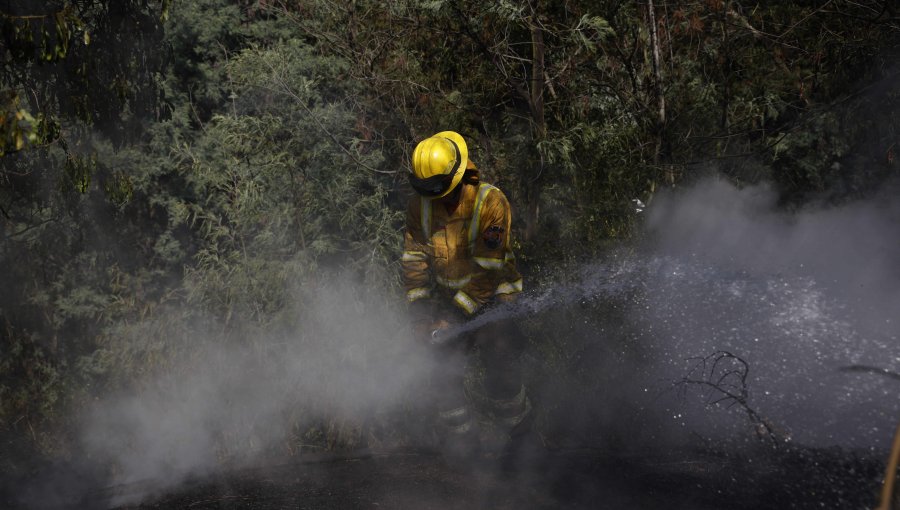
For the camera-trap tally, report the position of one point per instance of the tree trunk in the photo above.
(538, 131)
(657, 68)
(658, 82)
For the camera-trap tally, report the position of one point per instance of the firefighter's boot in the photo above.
(461, 442)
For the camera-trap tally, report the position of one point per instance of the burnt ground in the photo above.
(697, 479)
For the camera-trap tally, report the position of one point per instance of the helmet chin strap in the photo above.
(451, 200)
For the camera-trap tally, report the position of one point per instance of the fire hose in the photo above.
(890, 475)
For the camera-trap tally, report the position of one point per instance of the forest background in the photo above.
(179, 170)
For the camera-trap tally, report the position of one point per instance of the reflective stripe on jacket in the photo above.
(449, 250)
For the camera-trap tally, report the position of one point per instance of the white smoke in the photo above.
(351, 356)
(798, 296)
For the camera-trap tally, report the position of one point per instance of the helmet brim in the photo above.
(435, 186)
(460, 143)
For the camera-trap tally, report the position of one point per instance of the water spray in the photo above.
(594, 282)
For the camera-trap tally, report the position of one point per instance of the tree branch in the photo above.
(866, 369)
(708, 373)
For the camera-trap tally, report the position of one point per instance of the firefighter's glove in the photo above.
(438, 333)
(439, 327)
(446, 323)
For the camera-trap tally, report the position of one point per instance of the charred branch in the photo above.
(725, 375)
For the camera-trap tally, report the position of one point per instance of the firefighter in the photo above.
(457, 261)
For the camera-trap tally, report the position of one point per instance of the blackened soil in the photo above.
(697, 480)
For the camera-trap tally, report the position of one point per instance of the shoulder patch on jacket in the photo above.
(493, 237)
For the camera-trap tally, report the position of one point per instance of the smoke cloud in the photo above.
(796, 296)
(351, 360)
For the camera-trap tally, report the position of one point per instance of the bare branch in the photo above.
(866, 369)
(32, 227)
(726, 376)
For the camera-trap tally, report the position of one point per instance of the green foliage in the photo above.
(277, 197)
(27, 371)
(806, 156)
(17, 126)
(84, 61)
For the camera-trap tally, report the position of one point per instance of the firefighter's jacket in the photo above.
(465, 254)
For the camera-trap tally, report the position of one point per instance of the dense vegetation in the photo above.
(166, 166)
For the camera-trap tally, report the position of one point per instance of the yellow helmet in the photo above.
(439, 163)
